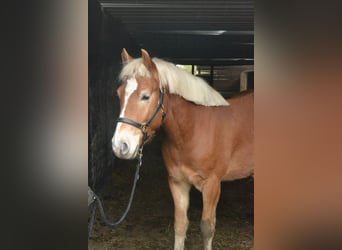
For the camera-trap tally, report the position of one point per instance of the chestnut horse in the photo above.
(208, 140)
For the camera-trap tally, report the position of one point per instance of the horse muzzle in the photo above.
(125, 146)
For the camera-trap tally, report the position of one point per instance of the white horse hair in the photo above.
(179, 82)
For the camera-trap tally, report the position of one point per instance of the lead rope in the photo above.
(99, 203)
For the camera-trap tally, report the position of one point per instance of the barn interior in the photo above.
(211, 39)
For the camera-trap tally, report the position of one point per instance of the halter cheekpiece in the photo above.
(144, 126)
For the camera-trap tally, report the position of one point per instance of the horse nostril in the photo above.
(124, 148)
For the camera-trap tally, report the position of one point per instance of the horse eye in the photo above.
(145, 97)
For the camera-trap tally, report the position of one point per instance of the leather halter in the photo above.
(144, 126)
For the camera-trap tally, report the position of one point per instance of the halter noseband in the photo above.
(144, 126)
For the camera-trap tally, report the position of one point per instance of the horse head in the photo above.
(141, 105)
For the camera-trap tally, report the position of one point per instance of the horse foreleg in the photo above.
(211, 193)
(180, 194)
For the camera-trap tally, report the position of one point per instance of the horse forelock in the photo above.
(133, 69)
(178, 81)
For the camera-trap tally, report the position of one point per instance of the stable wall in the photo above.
(107, 37)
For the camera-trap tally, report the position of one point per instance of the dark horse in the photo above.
(208, 139)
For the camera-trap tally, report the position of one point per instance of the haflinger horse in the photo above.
(207, 140)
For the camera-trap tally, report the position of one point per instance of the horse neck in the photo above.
(180, 118)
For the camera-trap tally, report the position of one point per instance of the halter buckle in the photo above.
(163, 112)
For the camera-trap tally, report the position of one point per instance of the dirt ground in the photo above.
(149, 224)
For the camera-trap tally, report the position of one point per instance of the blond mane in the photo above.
(179, 82)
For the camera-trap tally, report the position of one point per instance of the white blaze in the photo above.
(123, 135)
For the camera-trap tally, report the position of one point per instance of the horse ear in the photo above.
(125, 57)
(149, 64)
